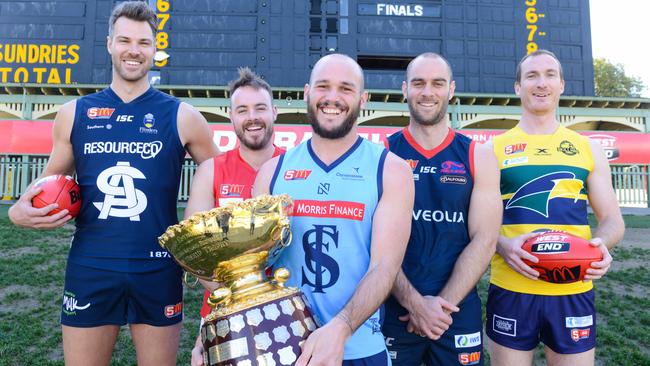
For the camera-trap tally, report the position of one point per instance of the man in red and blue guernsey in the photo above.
(434, 313)
(229, 177)
(126, 144)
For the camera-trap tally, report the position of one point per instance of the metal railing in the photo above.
(631, 182)
(631, 185)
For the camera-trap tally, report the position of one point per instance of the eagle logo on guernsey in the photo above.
(300, 174)
(536, 194)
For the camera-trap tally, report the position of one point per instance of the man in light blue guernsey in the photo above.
(352, 217)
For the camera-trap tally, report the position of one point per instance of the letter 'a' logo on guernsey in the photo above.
(294, 174)
(121, 198)
(535, 194)
(100, 113)
(329, 209)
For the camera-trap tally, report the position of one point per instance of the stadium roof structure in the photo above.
(384, 108)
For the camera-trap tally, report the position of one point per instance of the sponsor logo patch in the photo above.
(146, 150)
(353, 174)
(300, 174)
(99, 113)
(579, 321)
(231, 190)
(567, 148)
(323, 188)
(453, 179)
(469, 358)
(504, 326)
(412, 163)
(467, 340)
(578, 334)
(438, 216)
(550, 248)
(148, 121)
(515, 161)
(452, 167)
(71, 304)
(124, 118)
(515, 148)
(174, 310)
(330, 209)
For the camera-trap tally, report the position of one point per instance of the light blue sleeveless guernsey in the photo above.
(331, 225)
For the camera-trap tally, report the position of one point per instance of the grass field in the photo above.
(32, 265)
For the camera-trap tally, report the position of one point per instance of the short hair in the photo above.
(134, 10)
(248, 77)
(339, 56)
(539, 52)
(430, 55)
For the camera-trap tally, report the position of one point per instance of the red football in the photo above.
(563, 258)
(61, 189)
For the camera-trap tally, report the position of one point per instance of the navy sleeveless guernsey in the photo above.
(443, 186)
(128, 158)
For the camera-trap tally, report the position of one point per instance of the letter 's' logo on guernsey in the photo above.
(324, 270)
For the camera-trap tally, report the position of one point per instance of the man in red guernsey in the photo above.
(230, 176)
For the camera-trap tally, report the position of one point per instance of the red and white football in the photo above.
(61, 189)
(563, 258)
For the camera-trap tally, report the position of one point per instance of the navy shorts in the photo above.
(461, 344)
(566, 324)
(93, 297)
(380, 359)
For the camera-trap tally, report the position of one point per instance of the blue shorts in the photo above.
(380, 359)
(93, 297)
(461, 344)
(566, 324)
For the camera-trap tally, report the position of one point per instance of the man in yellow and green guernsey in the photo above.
(548, 176)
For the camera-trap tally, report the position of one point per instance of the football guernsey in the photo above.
(128, 159)
(443, 187)
(543, 187)
(444, 180)
(233, 181)
(331, 225)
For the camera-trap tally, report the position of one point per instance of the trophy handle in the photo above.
(187, 277)
(285, 234)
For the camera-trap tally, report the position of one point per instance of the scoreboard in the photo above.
(203, 42)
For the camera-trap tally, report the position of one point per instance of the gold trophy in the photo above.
(254, 320)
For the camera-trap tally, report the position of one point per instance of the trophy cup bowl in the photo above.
(254, 320)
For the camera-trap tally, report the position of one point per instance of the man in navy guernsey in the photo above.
(351, 219)
(126, 144)
(434, 313)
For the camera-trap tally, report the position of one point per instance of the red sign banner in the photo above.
(35, 137)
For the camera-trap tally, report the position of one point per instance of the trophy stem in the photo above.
(243, 280)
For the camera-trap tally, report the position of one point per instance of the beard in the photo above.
(338, 132)
(433, 120)
(254, 144)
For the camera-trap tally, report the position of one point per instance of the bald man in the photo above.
(352, 217)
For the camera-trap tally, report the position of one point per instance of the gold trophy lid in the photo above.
(205, 239)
